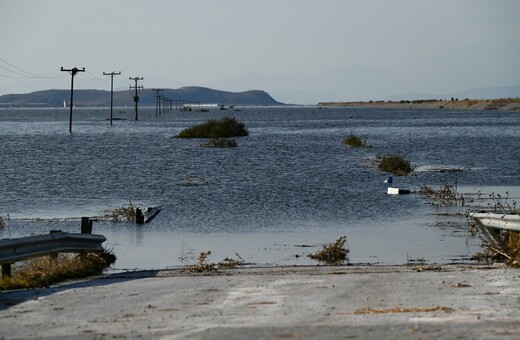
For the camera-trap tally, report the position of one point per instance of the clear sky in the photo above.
(299, 51)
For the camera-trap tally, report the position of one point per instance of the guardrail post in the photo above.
(139, 217)
(86, 225)
(6, 270)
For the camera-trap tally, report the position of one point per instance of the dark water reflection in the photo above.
(290, 182)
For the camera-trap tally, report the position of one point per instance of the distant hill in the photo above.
(193, 94)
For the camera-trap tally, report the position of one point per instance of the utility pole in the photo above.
(136, 97)
(111, 74)
(157, 101)
(73, 72)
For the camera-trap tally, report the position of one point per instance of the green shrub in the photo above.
(224, 128)
(355, 141)
(394, 164)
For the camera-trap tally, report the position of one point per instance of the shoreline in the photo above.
(506, 104)
(447, 301)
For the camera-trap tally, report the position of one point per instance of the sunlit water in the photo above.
(291, 182)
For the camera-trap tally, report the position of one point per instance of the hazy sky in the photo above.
(299, 51)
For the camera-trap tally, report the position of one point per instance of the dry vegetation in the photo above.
(507, 249)
(333, 253)
(46, 270)
(203, 265)
(125, 213)
(402, 310)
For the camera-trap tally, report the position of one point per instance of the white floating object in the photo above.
(397, 191)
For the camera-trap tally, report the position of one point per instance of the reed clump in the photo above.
(226, 127)
(355, 141)
(395, 164)
(333, 253)
(47, 270)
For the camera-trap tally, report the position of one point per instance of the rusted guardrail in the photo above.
(18, 249)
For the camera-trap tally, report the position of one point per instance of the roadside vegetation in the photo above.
(226, 127)
(47, 270)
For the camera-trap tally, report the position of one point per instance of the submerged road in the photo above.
(391, 302)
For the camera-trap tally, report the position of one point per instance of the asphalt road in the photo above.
(390, 302)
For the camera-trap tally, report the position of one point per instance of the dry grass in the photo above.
(44, 271)
(333, 253)
(402, 310)
(204, 266)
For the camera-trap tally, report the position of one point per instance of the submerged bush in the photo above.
(226, 127)
(355, 141)
(394, 164)
(220, 143)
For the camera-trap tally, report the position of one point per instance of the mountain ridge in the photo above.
(147, 97)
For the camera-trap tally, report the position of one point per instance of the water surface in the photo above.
(291, 182)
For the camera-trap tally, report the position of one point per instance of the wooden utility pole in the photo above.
(73, 72)
(111, 74)
(136, 97)
(157, 101)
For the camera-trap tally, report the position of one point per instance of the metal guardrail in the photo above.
(498, 221)
(13, 250)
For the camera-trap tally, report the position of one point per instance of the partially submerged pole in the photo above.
(73, 72)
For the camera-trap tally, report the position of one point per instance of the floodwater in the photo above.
(290, 183)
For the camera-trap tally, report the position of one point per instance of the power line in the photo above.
(25, 74)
